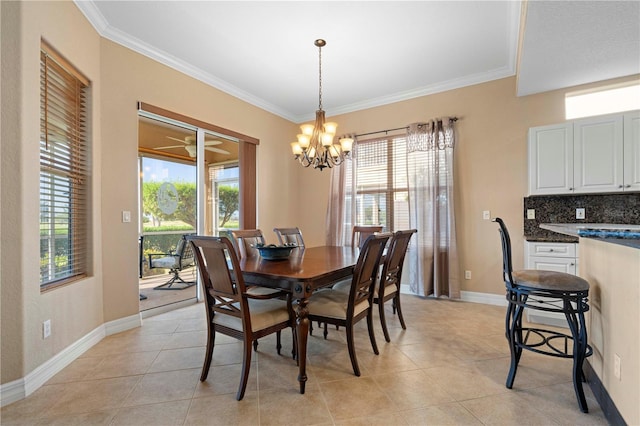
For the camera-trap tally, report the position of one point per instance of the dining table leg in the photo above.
(302, 329)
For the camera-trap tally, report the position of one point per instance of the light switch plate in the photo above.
(486, 215)
(531, 213)
(126, 216)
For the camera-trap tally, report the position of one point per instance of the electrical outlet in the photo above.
(580, 213)
(467, 275)
(46, 329)
(486, 215)
(616, 366)
(531, 213)
(126, 216)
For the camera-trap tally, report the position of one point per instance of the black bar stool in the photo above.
(545, 291)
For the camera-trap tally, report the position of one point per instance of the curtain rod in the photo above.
(386, 131)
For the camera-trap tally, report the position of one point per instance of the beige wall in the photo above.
(613, 271)
(76, 309)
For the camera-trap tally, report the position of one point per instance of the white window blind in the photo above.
(381, 193)
(64, 171)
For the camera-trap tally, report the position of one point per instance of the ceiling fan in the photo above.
(189, 143)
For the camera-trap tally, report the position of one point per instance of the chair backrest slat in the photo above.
(366, 270)
(223, 289)
(394, 260)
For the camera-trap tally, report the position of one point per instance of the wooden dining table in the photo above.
(303, 272)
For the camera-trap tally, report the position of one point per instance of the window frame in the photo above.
(64, 170)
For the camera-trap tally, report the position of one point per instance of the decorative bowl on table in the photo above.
(274, 252)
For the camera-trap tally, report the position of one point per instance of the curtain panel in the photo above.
(434, 268)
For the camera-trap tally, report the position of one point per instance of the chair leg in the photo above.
(246, 366)
(383, 320)
(211, 338)
(352, 350)
(325, 331)
(278, 342)
(579, 333)
(398, 307)
(372, 336)
(514, 334)
(294, 337)
(255, 345)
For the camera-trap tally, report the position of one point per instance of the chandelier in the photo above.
(315, 145)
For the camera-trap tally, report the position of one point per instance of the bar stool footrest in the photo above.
(542, 341)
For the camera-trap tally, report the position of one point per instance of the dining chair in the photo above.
(548, 291)
(231, 310)
(289, 236)
(360, 233)
(388, 287)
(245, 247)
(246, 240)
(342, 309)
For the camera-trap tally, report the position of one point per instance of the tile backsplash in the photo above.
(599, 208)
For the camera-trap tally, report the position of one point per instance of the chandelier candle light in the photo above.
(315, 145)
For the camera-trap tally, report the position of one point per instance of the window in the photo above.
(618, 98)
(64, 171)
(381, 192)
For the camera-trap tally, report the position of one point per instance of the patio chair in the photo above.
(175, 261)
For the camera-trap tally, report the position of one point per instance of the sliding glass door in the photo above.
(189, 184)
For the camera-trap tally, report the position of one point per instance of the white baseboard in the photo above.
(485, 298)
(470, 296)
(23, 387)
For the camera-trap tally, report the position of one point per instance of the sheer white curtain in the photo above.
(336, 207)
(433, 266)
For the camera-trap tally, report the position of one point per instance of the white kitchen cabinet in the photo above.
(591, 155)
(632, 151)
(551, 159)
(559, 257)
(597, 154)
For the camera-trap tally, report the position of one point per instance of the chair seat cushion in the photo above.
(264, 314)
(390, 289)
(333, 304)
(549, 280)
(343, 286)
(164, 262)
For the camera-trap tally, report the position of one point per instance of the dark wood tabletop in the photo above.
(303, 272)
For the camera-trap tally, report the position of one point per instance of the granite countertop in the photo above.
(624, 234)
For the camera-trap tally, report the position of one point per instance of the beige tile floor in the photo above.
(448, 367)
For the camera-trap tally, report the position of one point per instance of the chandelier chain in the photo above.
(320, 77)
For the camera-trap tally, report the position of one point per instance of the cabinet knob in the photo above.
(620, 186)
(550, 249)
(628, 186)
(572, 264)
(570, 189)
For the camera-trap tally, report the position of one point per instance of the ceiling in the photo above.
(377, 52)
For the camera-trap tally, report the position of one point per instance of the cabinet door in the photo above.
(598, 154)
(632, 151)
(551, 159)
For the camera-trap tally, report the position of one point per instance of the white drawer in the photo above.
(552, 249)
